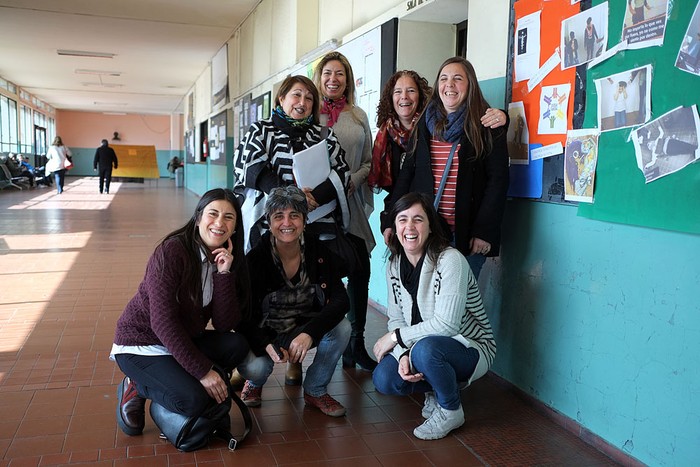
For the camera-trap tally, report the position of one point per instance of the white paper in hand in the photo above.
(311, 167)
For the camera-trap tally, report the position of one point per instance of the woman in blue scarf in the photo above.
(470, 189)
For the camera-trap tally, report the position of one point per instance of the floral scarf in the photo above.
(279, 111)
(380, 172)
(332, 108)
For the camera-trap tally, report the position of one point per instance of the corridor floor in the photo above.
(70, 262)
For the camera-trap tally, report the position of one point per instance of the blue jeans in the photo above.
(59, 176)
(318, 375)
(444, 362)
(163, 380)
(620, 119)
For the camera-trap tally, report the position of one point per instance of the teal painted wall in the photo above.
(601, 322)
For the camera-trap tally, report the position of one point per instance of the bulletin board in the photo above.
(543, 179)
(621, 193)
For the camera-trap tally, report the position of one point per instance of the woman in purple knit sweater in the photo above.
(197, 274)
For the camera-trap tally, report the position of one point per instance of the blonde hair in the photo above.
(349, 76)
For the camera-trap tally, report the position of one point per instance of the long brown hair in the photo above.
(477, 134)
(188, 235)
(385, 108)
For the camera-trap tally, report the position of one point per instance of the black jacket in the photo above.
(265, 278)
(482, 185)
(105, 157)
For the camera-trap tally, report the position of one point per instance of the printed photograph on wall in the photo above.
(527, 46)
(689, 53)
(644, 23)
(580, 159)
(518, 137)
(554, 105)
(667, 144)
(583, 36)
(624, 99)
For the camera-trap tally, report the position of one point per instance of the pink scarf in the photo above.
(333, 109)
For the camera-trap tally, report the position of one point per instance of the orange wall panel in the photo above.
(87, 129)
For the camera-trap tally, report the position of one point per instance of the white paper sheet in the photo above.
(311, 167)
(527, 46)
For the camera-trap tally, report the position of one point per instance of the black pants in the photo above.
(358, 289)
(163, 380)
(105, 178)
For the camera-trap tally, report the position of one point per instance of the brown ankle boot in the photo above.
(293, 375)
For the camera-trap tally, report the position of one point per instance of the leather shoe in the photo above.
(131, 408)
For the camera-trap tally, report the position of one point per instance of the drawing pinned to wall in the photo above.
(554, 104)
(518, 137)
(580, 159)
(689, 53)
(527, 46)
(583, 36)
(644, 23)
(667, 144)
(624, 99)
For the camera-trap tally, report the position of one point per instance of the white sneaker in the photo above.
(429, 405)
(440, 423)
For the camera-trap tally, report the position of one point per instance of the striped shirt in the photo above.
(439, 153)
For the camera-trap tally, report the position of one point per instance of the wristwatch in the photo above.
(393, 338)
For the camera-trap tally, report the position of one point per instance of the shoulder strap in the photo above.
(223, 433)
(226, 435)
(324, 132)
(443, 181)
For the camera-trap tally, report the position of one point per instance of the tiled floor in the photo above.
(69, 264)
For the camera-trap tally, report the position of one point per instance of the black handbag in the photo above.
(338, 242)
(192, 433)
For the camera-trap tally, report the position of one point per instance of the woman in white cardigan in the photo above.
(439, 338)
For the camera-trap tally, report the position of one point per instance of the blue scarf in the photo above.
(454, 129)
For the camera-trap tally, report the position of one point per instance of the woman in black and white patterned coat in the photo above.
(263, 160)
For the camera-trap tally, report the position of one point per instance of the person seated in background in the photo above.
(174, 164)
(19, 168)
(298, 303)
(439, 338)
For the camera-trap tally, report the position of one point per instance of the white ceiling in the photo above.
(161, 47)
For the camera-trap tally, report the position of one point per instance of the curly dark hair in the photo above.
(385, 108)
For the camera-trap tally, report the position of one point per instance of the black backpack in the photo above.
(192, 433)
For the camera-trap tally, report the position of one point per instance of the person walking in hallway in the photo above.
(105, 158)
(56, 156)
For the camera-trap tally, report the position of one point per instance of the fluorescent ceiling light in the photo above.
(81, 71)
(109, 103)
(85, 53)
(104, 85)
(114, 113)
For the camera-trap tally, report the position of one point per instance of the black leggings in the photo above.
(358, 288)
(163, 380)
